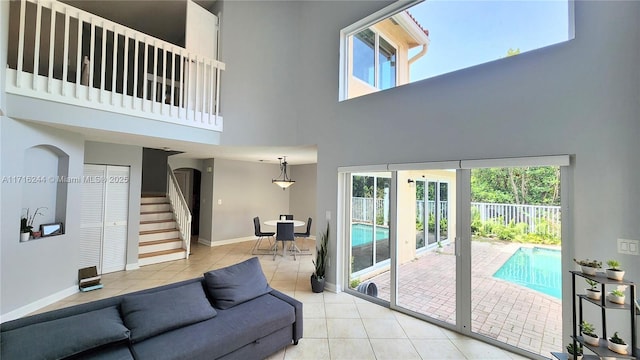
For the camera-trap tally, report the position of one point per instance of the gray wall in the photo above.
(123, 155)
(302, 201)
(246, 191)
(154, 171)
(579, 98)
(36, 269)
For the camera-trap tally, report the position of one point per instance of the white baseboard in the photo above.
(231, 241)
(225, 242)
(134, 266)
(38, 304)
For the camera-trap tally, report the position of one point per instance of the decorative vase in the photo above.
(593, 294)
(619, 348)
(591, 340)
(24, 236)
(317, 284)
(588, 270)
(615, 274)
(616, 299)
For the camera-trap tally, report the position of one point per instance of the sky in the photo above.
(464, 33)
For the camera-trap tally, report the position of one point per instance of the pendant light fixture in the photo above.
(283, 181)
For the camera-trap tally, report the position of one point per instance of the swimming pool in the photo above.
(361, 234)
(536, 268)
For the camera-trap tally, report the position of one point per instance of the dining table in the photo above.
(296, 223)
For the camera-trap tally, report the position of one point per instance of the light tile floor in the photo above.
(336, 326)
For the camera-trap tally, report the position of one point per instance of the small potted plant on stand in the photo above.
(617, 296)
(593, 292)
(616, 344)
(589, 335)
(614, 272)
(320, 263)
(26, 224)
(25, 230)
(589, 267)
(574, 353)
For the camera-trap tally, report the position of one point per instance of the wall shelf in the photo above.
(602, 351)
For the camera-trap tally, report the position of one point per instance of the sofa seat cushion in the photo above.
(150, 314)
(230, 330)
(236, 284)
(64, 337)
(118, 351)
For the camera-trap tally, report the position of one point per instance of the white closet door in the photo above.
(114, 246)
(92, 217)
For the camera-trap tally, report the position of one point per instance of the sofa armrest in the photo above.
(297, 305)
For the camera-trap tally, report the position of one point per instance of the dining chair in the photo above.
(286, 217)
(305, 235)
(284, 233)
(261, 235)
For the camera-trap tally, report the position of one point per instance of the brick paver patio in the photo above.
(507, 312)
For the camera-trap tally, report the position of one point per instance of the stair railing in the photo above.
(180, 210)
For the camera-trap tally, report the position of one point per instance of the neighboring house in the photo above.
(280, 87)
(379, 55)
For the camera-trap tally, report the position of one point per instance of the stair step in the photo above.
(155, 215)
(166, 224)
(157, 242)
(157, 253)
(156, 221)
(161, 234)
(159, 245)
(147, 232)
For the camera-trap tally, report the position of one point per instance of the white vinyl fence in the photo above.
(535, 216)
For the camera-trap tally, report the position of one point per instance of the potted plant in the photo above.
(614, 272)
(25, 230)
(593, 292)
(589, 267)
(574, 353)
(589, 335)
(617, 296)
(26, 224)
(320, 263)
(615, 343)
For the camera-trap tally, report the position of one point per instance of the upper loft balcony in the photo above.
(62, 54)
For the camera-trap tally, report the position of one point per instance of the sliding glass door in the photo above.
(369, 245)
(468, 245)
(425, 254)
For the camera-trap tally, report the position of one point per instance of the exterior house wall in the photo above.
(385, 28)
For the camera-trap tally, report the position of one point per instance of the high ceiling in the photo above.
(167, 22)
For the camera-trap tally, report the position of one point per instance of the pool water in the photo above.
(362, 234)
(536, 268)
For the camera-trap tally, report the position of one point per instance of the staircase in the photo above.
(159, 235)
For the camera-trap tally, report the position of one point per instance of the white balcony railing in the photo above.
(63, 54)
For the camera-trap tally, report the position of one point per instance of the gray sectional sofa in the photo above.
(229, 313)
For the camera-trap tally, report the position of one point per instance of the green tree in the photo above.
(528, 185)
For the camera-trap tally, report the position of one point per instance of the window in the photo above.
(412, 41)
(374, 60)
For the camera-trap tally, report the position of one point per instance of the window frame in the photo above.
(358, 26)
(376, 57)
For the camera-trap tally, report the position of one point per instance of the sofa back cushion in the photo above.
(65, 336)
(150, 314)
(236, 284)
